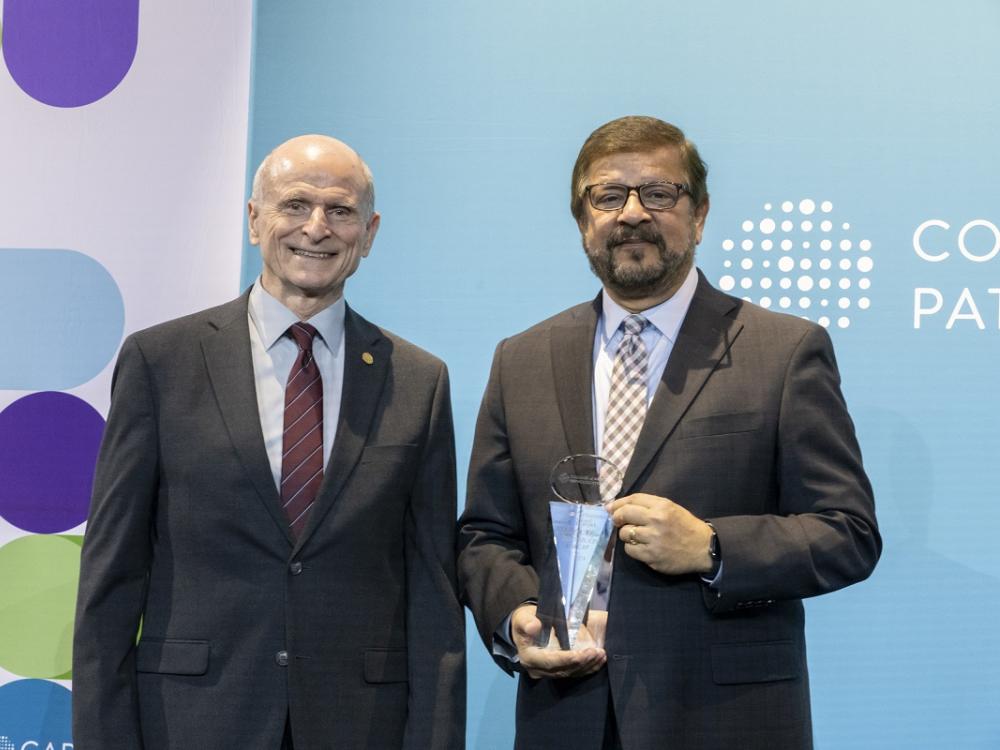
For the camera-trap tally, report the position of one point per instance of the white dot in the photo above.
(824, 283)
(786, 264)
(806, 245)
(807, 226)
(864, 303)
(728, 244)
(766, 245)
(805, 283)
(824, 303)
(727, 264)
(746, 264)
(805, 264)
(824, 321)
(843, 321)
(746, 282)
(784, 303)
(786, 245)
(765, 301)
(765, 283)
(807, 206)
(767, 226)
(864, 283)
(748, 299)
(845, 245)
(825, 245)
(767, 206)
(826, 207)
(843, 303)
(865, 264)
(726, 283)
(824, 264)
(747, 226)
(785, 283)
(845, 226)
(865, 245)
(766, 264)
(787, 207)
(804, 302)
(786, 226)
(826, 226)
(844, 284)
(845, 264)
(747, 244)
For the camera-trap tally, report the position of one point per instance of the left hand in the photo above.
(662, 534)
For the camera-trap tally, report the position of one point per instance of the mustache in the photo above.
(642, 233)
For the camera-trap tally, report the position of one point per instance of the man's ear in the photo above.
(251, 222)
(700, 214)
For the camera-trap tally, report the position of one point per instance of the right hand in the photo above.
(543, 662)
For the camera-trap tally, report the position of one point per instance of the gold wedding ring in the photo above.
(631, 536)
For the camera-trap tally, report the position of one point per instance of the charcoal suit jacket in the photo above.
(748, 429)
(354, 630)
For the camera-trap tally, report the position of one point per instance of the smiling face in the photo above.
(311, 216)
(641, 256)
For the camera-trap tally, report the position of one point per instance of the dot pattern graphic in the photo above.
(831, 274)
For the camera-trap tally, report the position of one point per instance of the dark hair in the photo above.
(637, 134)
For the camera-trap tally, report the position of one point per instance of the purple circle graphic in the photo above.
(68, 53)
(48, 447)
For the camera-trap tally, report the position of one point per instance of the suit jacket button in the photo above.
(281, 658)
(295, 568)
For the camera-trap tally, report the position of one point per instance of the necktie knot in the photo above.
(303, 333)
(634, 325)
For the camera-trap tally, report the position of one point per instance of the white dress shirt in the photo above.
(274, 353)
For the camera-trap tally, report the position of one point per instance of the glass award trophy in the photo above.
(574, 587)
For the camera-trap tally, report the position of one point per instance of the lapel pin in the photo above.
(367, 358)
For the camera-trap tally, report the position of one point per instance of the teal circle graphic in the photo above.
(61, 319)
(35, 711)
(38, 581)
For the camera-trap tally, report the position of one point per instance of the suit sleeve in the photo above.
(114, 564)
(494, 562)
(435, 622)
(824, 535)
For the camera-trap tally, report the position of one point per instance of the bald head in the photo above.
(317, 155)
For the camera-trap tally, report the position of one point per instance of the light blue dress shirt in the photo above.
(274, 353)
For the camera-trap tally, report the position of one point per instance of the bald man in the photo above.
(274, 505)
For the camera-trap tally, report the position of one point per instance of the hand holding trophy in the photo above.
(574, 592)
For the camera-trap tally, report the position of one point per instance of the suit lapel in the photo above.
(229, 361)
(571, 345)
(364, 379)
(702, 343)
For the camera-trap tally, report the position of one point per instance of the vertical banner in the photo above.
(123, 134)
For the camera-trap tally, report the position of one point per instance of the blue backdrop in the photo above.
(471, 115)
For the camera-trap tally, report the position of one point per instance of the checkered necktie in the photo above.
(626, 403)
(302, 442)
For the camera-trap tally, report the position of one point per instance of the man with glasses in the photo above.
(743, 487)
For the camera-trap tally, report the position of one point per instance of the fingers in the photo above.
(553, 663)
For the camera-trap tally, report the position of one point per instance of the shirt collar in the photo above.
(272, 319)
(666, 317)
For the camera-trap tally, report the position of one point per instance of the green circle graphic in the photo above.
(38, 579)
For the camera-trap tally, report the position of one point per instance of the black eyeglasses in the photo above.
(654, 196)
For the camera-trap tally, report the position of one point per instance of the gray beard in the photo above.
(638, 282)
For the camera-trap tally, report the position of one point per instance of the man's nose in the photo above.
(633, 212)
(317, 227)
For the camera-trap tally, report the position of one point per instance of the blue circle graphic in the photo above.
(35, 711)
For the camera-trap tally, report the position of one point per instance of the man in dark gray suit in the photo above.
(274, 505)
(743, 492)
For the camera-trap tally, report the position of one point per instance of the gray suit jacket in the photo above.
(748, 428)
(355, 630)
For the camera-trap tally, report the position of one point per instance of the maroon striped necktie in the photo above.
(302, 442)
